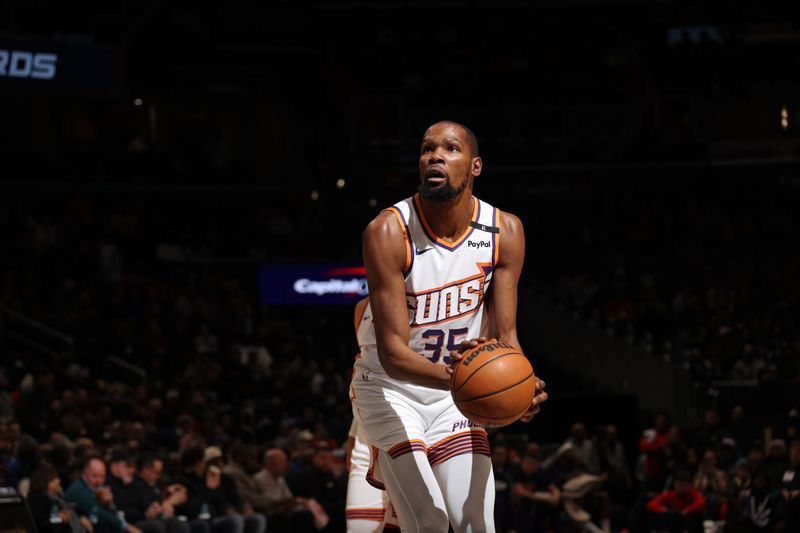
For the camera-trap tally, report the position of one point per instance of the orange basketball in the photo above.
(493, 384)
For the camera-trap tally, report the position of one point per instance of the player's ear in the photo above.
(477, 166)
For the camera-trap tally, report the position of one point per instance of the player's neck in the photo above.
(450, 219)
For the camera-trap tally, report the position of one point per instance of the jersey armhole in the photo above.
(407, 236)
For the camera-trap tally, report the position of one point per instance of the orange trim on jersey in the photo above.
(436, 238)
(406, 236)
(376, 514)
(361, 308)
(497, 237)
(414, 445)
(371, 471)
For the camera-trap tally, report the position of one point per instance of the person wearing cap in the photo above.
(132, 498)
(215, 459)
(205, 501)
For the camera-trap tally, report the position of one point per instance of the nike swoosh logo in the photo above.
(420, 252)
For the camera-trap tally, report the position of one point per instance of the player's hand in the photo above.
(538, 397)
(458, 355)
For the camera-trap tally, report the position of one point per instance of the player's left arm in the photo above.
(505, 284)
(505, 279)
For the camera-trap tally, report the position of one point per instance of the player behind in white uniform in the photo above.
(368, 509)
(430, 260)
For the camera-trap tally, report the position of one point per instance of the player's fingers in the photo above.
(466, 345)
(540, 384)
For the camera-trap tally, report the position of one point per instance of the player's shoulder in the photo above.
(509, 222)
(384, 224)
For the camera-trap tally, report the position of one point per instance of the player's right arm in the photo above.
(384, 250)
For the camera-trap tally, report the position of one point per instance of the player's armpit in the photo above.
(384, 249)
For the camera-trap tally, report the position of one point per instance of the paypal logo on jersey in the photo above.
(479, 244)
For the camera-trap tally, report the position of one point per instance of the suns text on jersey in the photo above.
(456, 299)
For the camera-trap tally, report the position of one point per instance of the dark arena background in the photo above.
(183, 187)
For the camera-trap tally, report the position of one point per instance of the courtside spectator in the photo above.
(93, 499)
(285, 512)
(253, 522)
(50, 512)
(318, 481)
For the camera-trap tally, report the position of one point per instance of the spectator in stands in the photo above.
(148, 483)
(19, 467)
(283, 509)
(584, 448)
(790, 488)
(713, 485)
(775, 463)
(710, 433)
(50, 512)
(502, 496)
(204, 497)
(760, 508)
(93, 499)
(253, 522)
(614, 465)
(133, 500)
(317, 480)
(650, 444)
(241, 468)
(679, 509)
(535, 497)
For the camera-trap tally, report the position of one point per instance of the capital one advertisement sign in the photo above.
(310, 284)
(38, 64)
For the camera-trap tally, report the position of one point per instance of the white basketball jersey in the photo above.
(445, 286)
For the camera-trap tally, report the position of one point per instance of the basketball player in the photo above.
(430, 260)
(368, 509)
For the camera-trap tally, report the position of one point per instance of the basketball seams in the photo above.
(475, 371)
(526, 378)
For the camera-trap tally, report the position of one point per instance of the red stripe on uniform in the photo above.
(406, 447)
(365, 514)
(475, 442)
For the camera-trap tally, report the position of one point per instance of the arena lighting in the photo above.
(373, 202)
(340, 183)
(784, 118)
(138, 102)
(315, 195)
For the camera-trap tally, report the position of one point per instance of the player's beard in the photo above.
(443, 193)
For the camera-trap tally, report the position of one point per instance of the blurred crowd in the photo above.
(719, 476)
(184, 406)
(704, 274)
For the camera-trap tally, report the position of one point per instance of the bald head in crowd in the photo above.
(276, 462)
(94, 472)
